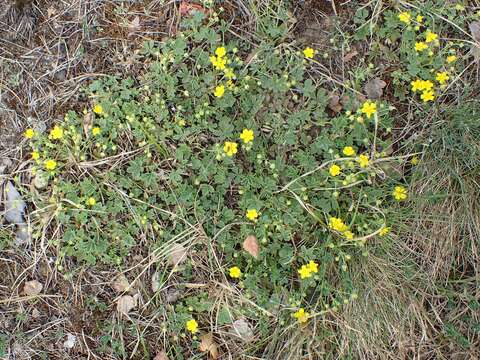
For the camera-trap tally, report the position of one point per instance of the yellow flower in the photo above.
(218, 62)
(348, 235)
(312, 266)
(309, 53)
(98, 109)
(414, 160)
(337, 224)
(304, 272)
(417, 85)
(220, 52)
(301, 315)
(427, 95)
(35, 155)
(29, 133)
(427, 85)
(247, 135)
(252, 214)
(230, 148)
(235, 272)
(451, 59)
(192, 326)
(369, 108)
(430, 36)
(420, 46)
(96, 130)
(56, 133)
(335, 170)
(442, 77)
(384, 231)
(363, 160)
(399, 193)
(405, 17)
(219, 91)
(50, 164)
(419, 19)
(91, 201)
(348, 151)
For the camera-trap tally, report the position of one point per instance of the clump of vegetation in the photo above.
(238, 146)
(264, 211)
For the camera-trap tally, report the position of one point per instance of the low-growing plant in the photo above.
(234, 139)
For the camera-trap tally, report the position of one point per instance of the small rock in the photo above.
(171, 295)
(242, 329)
(14, 205)
(155, 281)
(70, 342)
(121, 284)
(23, 235)
(40, 180)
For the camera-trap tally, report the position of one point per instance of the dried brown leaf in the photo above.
(334, 103)
(250, 245)
(209, 345)
(162, 355)
(350, 55)
(374, 88)
(134, 25)
(178, 254)
(475, 31)
(125, 304)
(87, 124)
(32, 287)
(188, 8)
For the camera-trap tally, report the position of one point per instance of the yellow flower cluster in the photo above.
(219, 62)
(231, 148)
(337, 224)
(306, 270)
(426, 86)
